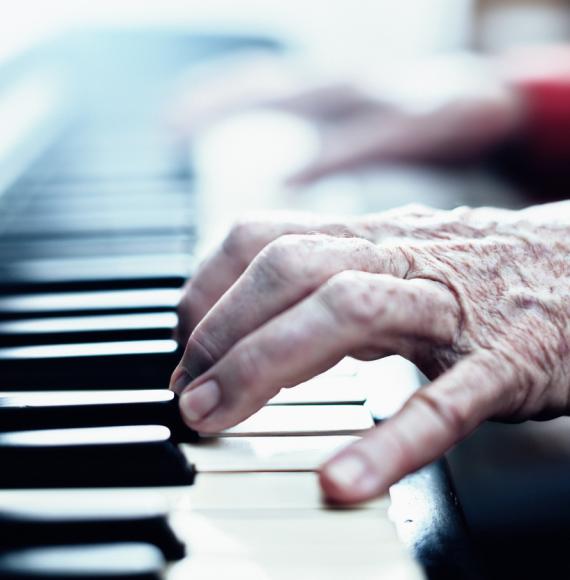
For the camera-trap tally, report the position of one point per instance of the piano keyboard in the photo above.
(100, 478)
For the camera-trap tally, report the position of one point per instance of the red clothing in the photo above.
(542, 77)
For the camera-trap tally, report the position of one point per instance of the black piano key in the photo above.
(90, 223)
(61, 524)
(133, 188)
(95, 246)
(70, 202)
(108, 328)
(58, 410)
(96, 302)
(95, 273)
(138, 456)
(100, 365)
(101, 165)
(91, 206)
(128, 561)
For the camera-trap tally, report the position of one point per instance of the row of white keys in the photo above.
(256, 510)
(275, 526)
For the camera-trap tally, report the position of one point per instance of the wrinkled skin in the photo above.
(479, 299)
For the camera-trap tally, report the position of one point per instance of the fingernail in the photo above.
(351, 473)
(181, 382)
(200, 401)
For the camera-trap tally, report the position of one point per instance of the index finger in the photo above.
(288, 270)
(354, 310)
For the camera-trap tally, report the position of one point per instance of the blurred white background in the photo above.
(336, 34)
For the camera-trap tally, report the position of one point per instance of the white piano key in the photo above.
(71, 398)
(104, 268)
(87, 502)
(257, 454)
(388, 383)
(260, 491)
(347, 367)
(87, 436)
(315, 544)
(53, 351)
(122, 560)
(100, 300)
(90, 323)
(303, 420)
(324, 389)
(384, 384)
(108, 498)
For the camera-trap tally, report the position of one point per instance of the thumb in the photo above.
(430, 423)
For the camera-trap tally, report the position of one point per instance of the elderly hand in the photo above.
(479, 299)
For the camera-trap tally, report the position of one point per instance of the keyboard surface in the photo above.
(96, 239)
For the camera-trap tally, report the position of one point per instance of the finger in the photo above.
(245, 240)
(352, 310)
(287, 270)
(430, 423)
(360, 141)
(322, 101)
(249, 82)
(456, 130)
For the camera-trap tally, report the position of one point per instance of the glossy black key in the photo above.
(98, 365)
(138, 456)
(95, 246)
(128, 561)
(97, 223)
(107, 328)
(170, 270)
(59, 410)
(130, 189)
(14, 306)
(63, 523)
(75, 202)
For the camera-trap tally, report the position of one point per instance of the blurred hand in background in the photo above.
(449, 109)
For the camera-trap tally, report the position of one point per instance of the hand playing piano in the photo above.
(479, 299)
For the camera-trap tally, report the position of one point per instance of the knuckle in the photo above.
(288, 258)
(402, 446)
(352, 298)
(191, 300)
(414, 210)
(185, 302)
(394, 442)
(244, 238)
(200, 354)
(455, 417)
(201, 340)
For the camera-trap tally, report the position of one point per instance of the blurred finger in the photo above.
(359, 141)
(326, 100)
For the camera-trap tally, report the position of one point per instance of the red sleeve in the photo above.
(542, 77)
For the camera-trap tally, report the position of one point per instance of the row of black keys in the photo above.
(89, 542)
(143, 451)
(92, 338)
(89, 281)
(94, 245)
